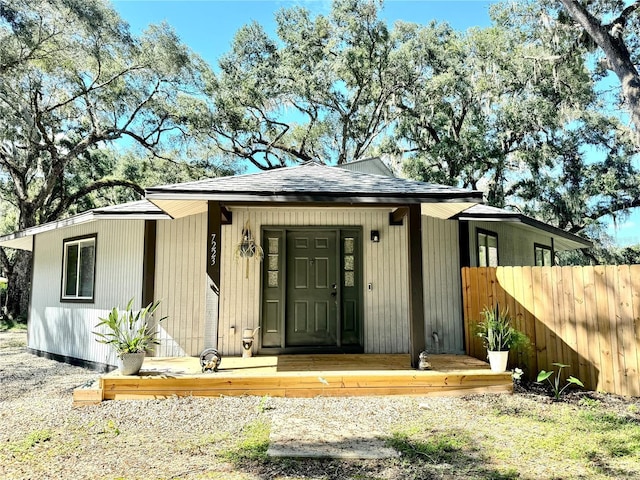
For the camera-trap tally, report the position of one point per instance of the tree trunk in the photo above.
(19, 285)
(17, 268)
(616, 52)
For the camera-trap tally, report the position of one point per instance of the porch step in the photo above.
(309, 376)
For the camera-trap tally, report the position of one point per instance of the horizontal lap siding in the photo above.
(442, 291)
(65, 328)
(180, 285)
(385, 267)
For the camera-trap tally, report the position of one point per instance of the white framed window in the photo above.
(487, 249)
(78, 269)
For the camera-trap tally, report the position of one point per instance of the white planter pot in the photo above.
(498, 361)
(130, 363)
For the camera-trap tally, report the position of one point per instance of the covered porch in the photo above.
(300, 376)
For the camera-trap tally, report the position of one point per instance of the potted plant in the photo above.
(499, 336)
(130, 335)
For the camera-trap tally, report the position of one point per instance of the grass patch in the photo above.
(603, 421)
(14, 344)
(252, 443)
(9, 325)
(205, 444)
(37, 446)
(519, 437)
(439, 447)
(23, 449)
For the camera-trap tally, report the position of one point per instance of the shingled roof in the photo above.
(313, 182)
(138, 210)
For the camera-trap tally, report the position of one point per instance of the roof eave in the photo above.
(18, 240)
(315, 197)
(532, 222)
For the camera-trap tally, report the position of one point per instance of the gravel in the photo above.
(44, 437)
(477, 437)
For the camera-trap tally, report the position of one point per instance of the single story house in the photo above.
(344, 260)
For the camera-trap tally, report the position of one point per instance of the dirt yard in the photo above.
(524, 436)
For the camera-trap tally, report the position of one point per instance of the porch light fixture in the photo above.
(375, 236)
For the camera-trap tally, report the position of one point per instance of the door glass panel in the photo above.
(273, 263)
(348, 245)
(273, 245)
(348, 262)
(349, 279)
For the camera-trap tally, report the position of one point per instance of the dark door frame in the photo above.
(339, 348)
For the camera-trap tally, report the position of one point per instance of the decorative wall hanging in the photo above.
(248, 248)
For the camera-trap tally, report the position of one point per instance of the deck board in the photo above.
(303, 376)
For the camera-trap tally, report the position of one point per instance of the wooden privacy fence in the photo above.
(587, 317)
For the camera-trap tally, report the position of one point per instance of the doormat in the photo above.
(324, 438)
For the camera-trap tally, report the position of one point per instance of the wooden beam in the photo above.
(416, 285)
(463, 241)
(149, 262)
(396, 217)
(214, 217)
(214, 257)
(83, 397)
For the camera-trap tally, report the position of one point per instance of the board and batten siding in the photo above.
(65, 328)
(442, 287)
(515, 243)
(385, 267)
(180, 285)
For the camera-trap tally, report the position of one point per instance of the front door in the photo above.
(311, 306)
(311, 289)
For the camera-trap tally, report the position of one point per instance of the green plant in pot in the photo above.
(129, 334)
(499, 336)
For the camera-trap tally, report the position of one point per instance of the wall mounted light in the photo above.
(375, 236)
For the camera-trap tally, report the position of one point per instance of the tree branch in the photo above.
(87, 189)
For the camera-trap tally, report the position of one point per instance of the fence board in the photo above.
(591, 310)
(580, 315)
(626, 331)
(634, 274)
(587, 317)
(525, 280)
(617, 359)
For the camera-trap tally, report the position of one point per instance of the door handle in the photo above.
(334, 288)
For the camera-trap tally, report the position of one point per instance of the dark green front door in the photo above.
(311, 318)
(311, 289)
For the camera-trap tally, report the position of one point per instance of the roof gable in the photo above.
(373, 165)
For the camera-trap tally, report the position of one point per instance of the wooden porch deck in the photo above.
(300, 376)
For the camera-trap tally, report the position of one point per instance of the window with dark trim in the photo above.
(78, 269)
(543, 255)
(487, 248)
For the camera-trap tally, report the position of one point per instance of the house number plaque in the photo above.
(213, 254)
(214, 249)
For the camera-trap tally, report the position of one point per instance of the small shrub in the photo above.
(497, 333)
(128, 331)
(555, 385)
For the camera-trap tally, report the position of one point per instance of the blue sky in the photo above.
(208, 27)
